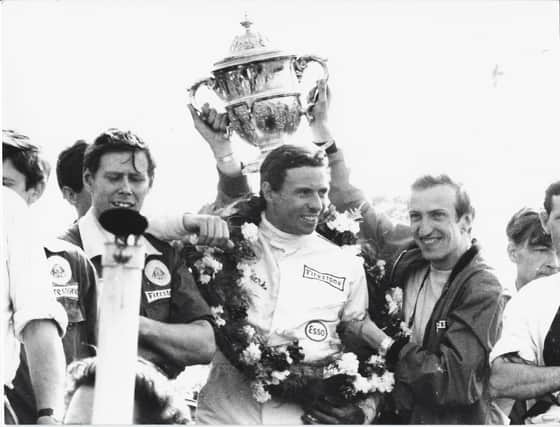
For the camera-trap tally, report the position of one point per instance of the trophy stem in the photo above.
(255, 165)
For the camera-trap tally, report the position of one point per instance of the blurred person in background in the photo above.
(72, 276)
(69, 175)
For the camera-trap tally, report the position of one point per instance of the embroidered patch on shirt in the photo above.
(70, 291)
(316, 330)
(157, 273)
(59, 270)
(441, 324)
(152, 296)
(330, 279)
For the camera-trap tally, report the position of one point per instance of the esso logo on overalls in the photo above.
(316, 331)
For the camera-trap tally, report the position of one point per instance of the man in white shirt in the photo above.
(298, 301)
(526, 359)
(30, 311)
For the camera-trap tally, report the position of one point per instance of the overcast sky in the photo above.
(470, 88)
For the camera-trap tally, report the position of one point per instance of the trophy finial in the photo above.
(246, 22)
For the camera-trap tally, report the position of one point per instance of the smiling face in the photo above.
(440, 235)
(296, 206)
(121, 181)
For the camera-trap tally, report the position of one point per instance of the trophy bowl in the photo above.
(260, 87)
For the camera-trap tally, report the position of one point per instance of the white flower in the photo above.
(376, 360)
(259, 393)
(245, 269)
(392, 305)
(217, 311)
(279, 376)
(344, 222)
(205, 279)
(250, 232)
(288, 357)
(250, 331)
(212, 263)
(348, 364)
(387, 382)
(406, 330)
(361, 384)
(252, 354)
(380, 263)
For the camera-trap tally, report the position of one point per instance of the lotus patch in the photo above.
(330, 279)
(157, 273)
(152, 296)
(316, 331)
(59, 270)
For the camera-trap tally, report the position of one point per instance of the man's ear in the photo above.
(543, 216)
(69, 195)
(36, 192)
(267, 191)
(512, 252)
(465, 223)
(88, 180)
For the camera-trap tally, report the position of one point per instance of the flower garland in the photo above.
(225, 277)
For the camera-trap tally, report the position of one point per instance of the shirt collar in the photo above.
(94, 237)
(281, 239)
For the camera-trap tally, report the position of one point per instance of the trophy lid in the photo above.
(248, 47)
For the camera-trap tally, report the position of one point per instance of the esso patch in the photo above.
(59, 270)
(316, 331)
(157, 273)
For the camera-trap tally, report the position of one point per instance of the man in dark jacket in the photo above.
(452, 305)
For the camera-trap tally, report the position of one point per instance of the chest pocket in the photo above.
(156, 289)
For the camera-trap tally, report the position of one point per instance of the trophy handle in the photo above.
(209, 82)
(300, 64)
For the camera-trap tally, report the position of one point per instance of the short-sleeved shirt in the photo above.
(72, 276)
(26, 291)
(169, 292)
(529, 318)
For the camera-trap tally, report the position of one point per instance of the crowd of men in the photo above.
(475, 355)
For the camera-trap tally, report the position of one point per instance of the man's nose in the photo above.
(424, 227)
(315, 202)
(125, 186)
(553, 261)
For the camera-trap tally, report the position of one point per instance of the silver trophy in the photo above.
(260, 86)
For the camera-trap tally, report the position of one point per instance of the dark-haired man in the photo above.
(26, 171)
(69, 176)
(298, 301)
(433, 386)
(174, 328)
(526, 359)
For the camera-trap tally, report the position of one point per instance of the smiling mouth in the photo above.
(429, 240)
(311, 219)
(127, 205)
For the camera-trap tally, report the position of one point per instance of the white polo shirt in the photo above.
(309, 286)
(26, 286)
(527, 320)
